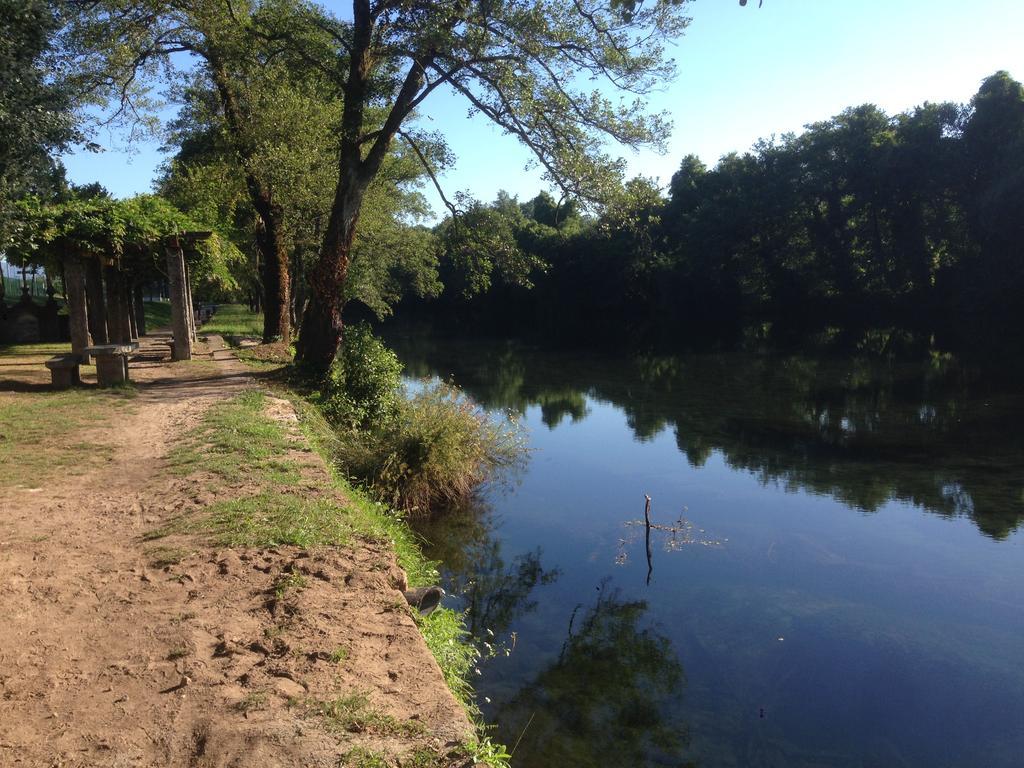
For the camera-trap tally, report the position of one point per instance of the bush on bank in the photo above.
(415, 453)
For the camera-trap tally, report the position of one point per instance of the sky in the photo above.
(742, 73)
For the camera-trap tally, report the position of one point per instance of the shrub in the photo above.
(438, 449)
(364, 387)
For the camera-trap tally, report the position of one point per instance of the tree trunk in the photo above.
(276, 279)
(321, 332)
(269, 233)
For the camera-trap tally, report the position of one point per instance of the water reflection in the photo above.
(865, 429)
(606, 699)
(494, 593)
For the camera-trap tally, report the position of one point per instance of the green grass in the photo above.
(236, 440)
(370, 518)
(446, 636)
(364, 758)
(354, 714)
(49, 348)
(39, 433)
(253, 702)
(157, 314)
(161, 557)
(273, 519)
(234, 320)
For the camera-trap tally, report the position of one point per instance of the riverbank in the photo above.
(190, 584)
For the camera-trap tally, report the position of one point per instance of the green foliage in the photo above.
(134, 231)
(437, 451)
(864, 218)
(486, 244)
(36, 103)
(363, 389)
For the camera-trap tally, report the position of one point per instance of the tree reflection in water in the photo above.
(604, 700)
(495, 593)
(866, 426)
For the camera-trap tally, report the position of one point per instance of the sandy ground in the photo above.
(107, 660)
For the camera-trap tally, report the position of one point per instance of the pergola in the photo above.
(108, 251)
(105, 297)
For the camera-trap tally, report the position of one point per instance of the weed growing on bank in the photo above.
(415, 453)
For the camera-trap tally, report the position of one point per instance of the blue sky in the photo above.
(743, 73)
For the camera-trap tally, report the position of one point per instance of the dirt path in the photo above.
(108, 660)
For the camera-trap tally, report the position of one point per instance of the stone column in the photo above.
(129, 300)
(191, 307)
(140, 309)
(118, 331)
(74, 288)
(178, 288)
(94, 296)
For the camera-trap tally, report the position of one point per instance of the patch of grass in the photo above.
(272, 519)
(288, 582)
(178, 652)
(367, 517)
(157, 314)
(253, 702)
(236, 438)
(39, 432)
(339, 654)
(353, 713)
(161, 557)
(447, 638)
(364, 758)
(36, 350)
(235, 320)
(439, 448)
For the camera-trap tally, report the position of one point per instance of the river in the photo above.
(836, 570)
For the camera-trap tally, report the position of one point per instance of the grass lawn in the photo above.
(235, 320)
(158, 314)
(41, 434)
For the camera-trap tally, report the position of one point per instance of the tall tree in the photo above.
(36, 118)
(125, 47)
(517, 63)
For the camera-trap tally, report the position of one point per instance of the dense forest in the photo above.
(865, 219)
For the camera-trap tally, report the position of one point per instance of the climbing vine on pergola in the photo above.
(108, 250)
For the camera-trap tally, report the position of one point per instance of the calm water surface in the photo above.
(839, 580)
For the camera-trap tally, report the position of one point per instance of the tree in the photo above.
(36, 118)
(516, 63)
(123, 47)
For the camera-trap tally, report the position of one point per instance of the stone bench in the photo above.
(111, 362)
(64, 371)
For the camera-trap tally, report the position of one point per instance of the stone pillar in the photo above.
(118, 331)
(129, 300)
(96, 304)
(78, 314)
(191, 307)
(178, 289)
(140, 309)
